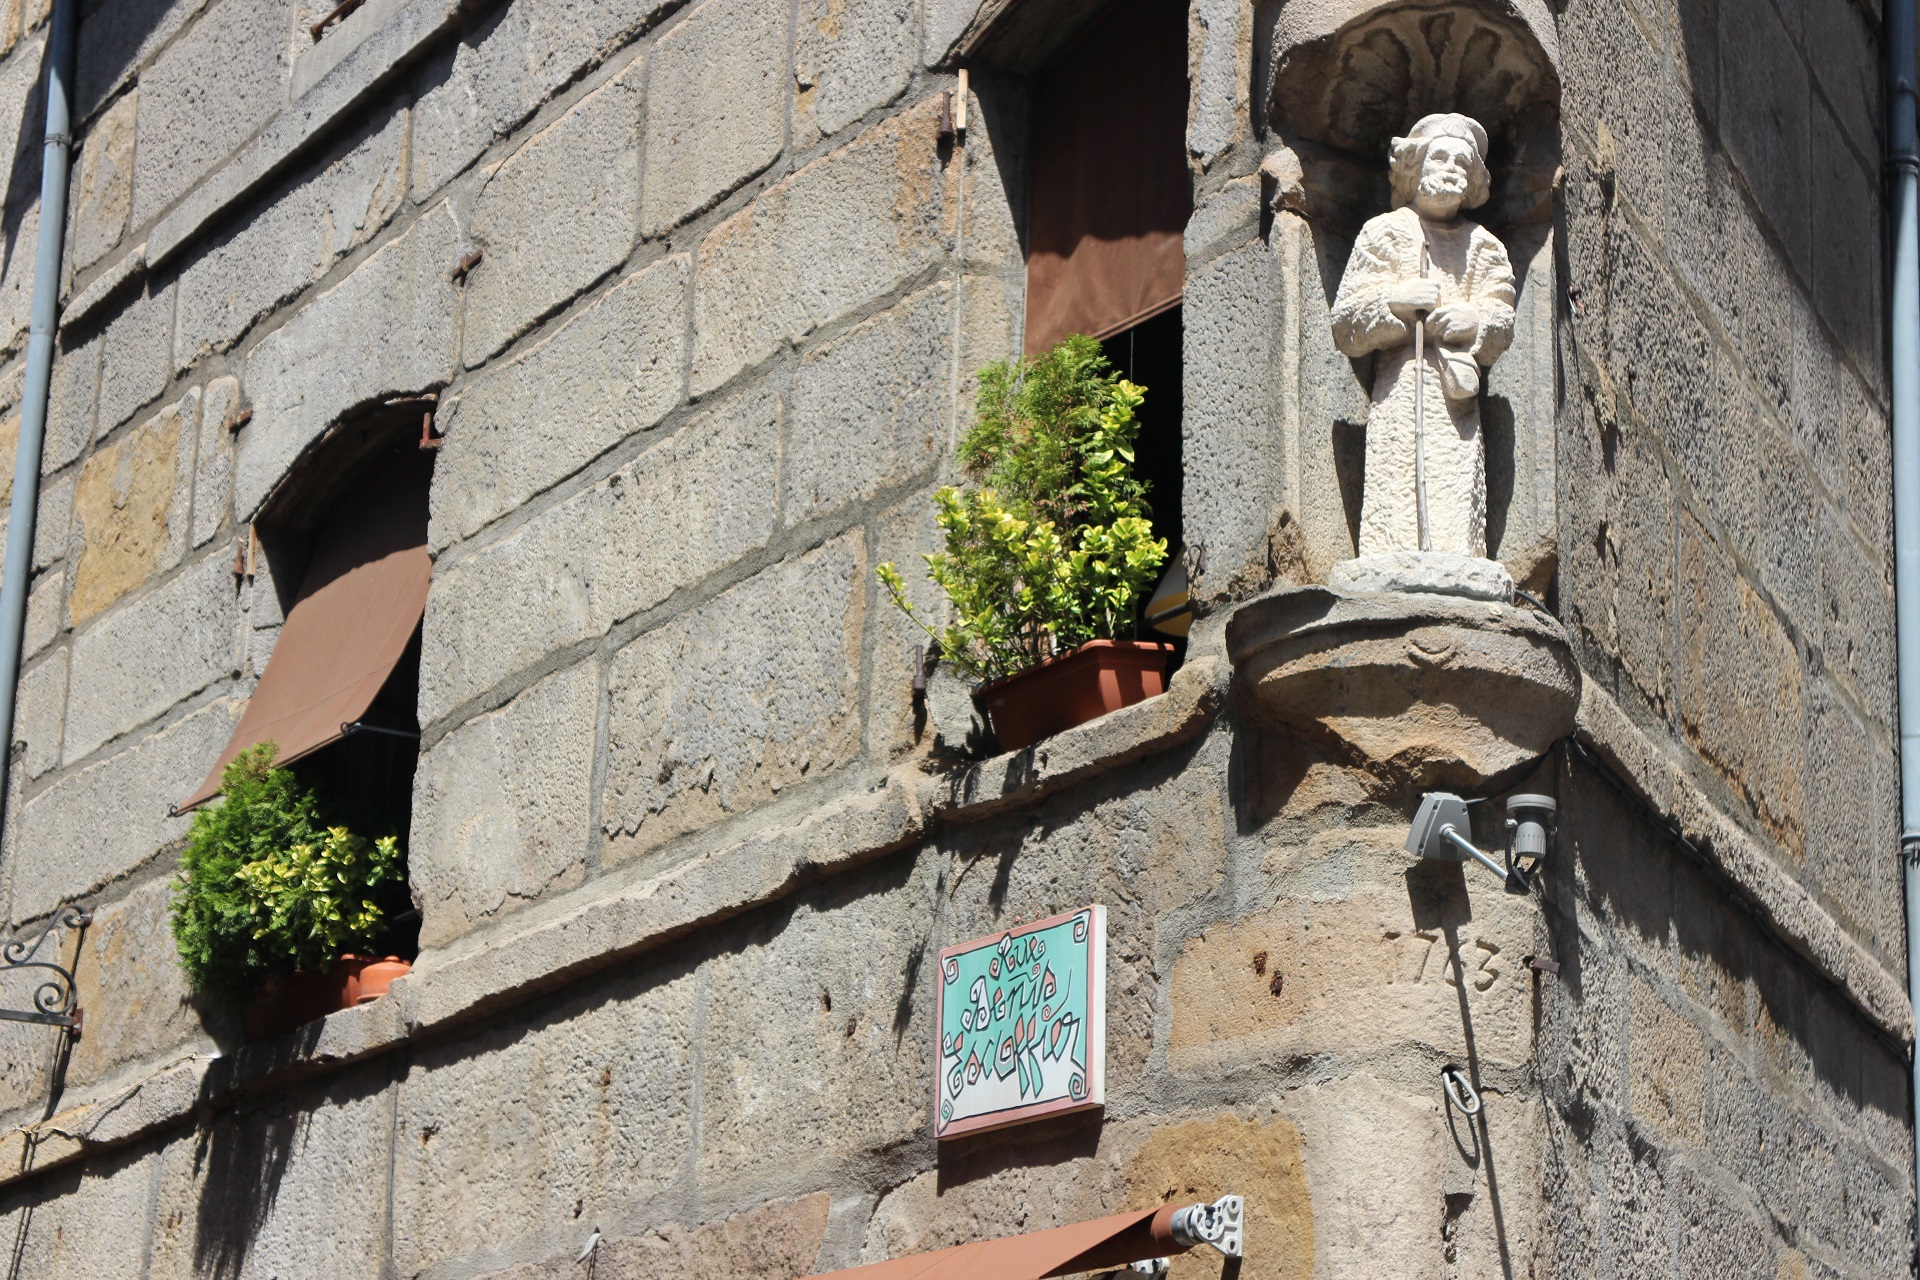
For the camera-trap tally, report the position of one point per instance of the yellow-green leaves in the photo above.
(304, 895)
(1054, 546)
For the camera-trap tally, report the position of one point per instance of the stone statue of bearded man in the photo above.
(1424, 265)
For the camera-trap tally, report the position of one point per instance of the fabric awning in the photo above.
(1111, 194)
(1084, 1246)
(364, 593)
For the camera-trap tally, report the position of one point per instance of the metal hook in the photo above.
(1460, 1093)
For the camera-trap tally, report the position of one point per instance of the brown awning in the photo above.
(1110, 192)
(1084, 1246)
(363, 594)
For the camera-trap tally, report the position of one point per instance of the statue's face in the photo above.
(1444, 177)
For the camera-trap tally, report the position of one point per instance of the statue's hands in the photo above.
(1405, 298)
(1457, 324)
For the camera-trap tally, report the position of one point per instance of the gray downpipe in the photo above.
(57, 152)
(1903, 325)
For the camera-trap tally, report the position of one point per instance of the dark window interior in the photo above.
(1150, 354)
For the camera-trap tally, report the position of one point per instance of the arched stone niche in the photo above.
(1337, 80)
(1345, 76)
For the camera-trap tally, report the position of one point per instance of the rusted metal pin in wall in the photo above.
(338, 13)
(953, 113)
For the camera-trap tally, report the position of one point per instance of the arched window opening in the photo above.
(345, 543)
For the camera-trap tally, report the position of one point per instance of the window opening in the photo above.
(1110, 198)
(345, 544)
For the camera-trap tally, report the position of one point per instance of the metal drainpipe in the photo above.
(57, 152)
(1904, 333)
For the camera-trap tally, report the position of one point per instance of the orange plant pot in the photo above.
(1079, 685)
(303, 997)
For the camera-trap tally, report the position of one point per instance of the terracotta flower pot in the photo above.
(1079, 685)
(373, 977)
(306, 996)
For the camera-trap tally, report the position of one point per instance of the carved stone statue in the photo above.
(1429, 295)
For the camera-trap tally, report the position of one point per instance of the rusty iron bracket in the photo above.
(1542, 964)
(338, 13)
(54, 1001)
(428, 440)
(467, 264)
(239, 420)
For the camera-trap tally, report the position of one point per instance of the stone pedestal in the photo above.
(1433, 690)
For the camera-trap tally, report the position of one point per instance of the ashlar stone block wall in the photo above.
(1728, 579)
(683, 840)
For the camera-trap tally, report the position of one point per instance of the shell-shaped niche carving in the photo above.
(1346, 76)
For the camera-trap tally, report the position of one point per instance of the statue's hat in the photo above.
(1450, 124)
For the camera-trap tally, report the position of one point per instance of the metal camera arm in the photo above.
(1440, 830)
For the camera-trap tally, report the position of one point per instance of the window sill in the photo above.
(1193, 698)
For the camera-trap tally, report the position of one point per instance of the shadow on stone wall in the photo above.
(240, 1162)
(1673, 919)
(113, 34)
(23, 170)
(1004, 103)
(1496, 438)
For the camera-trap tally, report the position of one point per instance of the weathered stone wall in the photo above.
(683, 854)
(1727, 573)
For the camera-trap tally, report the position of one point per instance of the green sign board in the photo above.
(1022, 1024)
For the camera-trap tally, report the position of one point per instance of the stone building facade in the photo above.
(693, 293)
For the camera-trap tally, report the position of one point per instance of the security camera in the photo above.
(1530, 826)
(1441, 831)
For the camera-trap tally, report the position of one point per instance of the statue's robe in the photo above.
(1469, 264)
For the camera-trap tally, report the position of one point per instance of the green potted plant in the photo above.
(273, 908)
(1050, 551)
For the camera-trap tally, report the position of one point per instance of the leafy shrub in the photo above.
(266, 888)
(1053, 546)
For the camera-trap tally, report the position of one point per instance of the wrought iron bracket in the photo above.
(54, 1000)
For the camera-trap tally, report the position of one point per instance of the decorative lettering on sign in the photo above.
(1022, 1024)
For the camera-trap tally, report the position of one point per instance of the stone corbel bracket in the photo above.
(1430, 690)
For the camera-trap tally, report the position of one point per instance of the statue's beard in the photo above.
(1443, 186)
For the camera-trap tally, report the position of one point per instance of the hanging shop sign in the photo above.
(1022, 1024)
